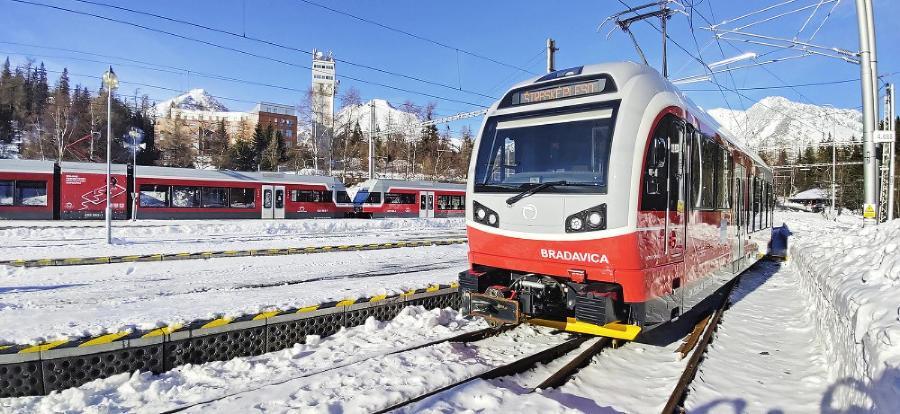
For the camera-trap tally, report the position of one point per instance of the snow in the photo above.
(776, 121)
(851, 276)
(54, 239)
(765, 356)
(387, 118)
(315, 361)
(195, 100)
(42, 304)
(811, 194)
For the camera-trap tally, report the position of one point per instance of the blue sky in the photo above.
(513, 32)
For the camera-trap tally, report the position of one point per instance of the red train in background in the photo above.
(44, 190)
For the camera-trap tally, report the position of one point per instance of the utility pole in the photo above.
(372, 140)
(315, 132)
(868, 77)
(892, 126)
(551, 55)
(663, 19)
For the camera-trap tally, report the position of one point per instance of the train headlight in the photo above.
(594, 218)
(591, 219)
(484, 215)
(575, 223)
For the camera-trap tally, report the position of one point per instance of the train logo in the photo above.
(529, 212)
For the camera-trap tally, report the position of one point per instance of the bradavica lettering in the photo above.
(574, 256)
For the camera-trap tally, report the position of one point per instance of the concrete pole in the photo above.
(315, 144)
(867, 76)
(372, 140)
(551, 55)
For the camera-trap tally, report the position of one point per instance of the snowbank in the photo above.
(851, 276)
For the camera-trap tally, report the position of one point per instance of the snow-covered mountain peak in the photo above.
(387, 117)
(776, 121)
(195, 100)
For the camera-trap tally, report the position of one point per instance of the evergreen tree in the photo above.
(259, 144)
(241, 156)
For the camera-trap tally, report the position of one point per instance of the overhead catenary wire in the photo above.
(415, 36)
(280, 45)
(244, 52)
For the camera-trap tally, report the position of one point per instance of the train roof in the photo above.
(242, 176)
(378, 183)
(31, 166)
(91, 167)
(622, 73)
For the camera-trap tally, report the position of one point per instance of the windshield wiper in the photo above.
(514, 199)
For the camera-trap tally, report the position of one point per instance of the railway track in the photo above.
(468, 337)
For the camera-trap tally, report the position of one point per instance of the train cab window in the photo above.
(154, 195)
(187, 197)
(661, 166)
(311, 196)
(242, 197)
(31, 193)
(399, 198)
(571, 147)
(214, 197)
(343, 197)
(6, 193)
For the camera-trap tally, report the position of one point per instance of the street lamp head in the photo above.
(110, 80)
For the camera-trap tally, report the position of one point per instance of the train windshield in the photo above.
(520, 153)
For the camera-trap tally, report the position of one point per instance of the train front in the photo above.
(551, 205)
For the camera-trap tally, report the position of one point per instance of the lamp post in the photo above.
(135, 135)
(111, 81)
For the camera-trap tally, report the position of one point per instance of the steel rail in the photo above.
(678, 395)
(518, 366)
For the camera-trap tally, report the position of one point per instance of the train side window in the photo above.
(696, 167)
(373, 198)
(31, 193)
(311, 196)
(6, 193)
(451, 202)
(187, 197)
(154, 195)
(343, 197)
(723, 179)
(242, 197)
(399, 198)
(709, 160)
(214, 197)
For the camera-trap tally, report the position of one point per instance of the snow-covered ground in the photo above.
(55, 239)
(817, 334)
(39, 304)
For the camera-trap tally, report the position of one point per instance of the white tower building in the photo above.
(324, 89)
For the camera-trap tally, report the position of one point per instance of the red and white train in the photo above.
(399, 198)
(601, 200)
(46, 190)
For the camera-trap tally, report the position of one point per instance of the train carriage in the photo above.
(26, 190)
(177, 193)
(601, 200)
(82, 191)
(401, 198)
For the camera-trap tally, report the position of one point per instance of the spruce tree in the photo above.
(258, 144)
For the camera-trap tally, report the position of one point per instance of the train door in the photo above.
(278, 208)
(268, 202)
(426, 204)
(676, 227)
(737, 246)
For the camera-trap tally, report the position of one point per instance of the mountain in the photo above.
(195, 99)
(386, 117)
(776, 121)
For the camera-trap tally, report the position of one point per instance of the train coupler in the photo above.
(494, 308)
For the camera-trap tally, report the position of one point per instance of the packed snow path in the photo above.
(765, 356)
(42, 304)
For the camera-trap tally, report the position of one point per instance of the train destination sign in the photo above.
(553, 93)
